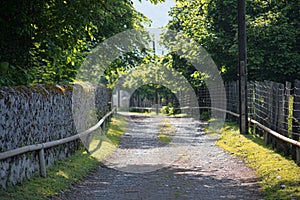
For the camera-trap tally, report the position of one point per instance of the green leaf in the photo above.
(4, 67)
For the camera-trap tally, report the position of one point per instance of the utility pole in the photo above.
(156, 92)
(242, 67)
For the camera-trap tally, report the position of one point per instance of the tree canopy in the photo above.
(46, 41)
(272, 31)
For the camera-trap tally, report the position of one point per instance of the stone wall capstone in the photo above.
(42, 113)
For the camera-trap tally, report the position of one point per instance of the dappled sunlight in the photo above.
(102, 145)
(63, 174)
(280, 176)
(173, 182)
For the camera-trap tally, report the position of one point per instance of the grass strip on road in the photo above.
(280, 176)
(66, 172)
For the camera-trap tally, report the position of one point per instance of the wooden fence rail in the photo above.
(41, 147)
(272, 107)
(295, 144)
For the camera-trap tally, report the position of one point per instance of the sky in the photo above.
(157, 13)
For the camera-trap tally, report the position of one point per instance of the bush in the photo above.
(168, 109)
(205, 115)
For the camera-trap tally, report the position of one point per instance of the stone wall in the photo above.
(42, 113)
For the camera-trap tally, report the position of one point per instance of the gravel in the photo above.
(191, 166)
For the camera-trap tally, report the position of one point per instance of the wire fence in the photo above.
(274, 110)
(275, 106)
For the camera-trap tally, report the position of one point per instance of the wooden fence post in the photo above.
(269, 112)
(270, 104)
(266, 137)
(258, 106)
(286, 112)
(296, 121)
(298, 156)
(42, 163)
(103, 128)
(279, 119)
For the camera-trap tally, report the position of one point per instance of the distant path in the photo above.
(190, 167)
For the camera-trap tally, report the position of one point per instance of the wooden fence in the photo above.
(40, 147)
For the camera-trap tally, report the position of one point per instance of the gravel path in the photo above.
(191, 166)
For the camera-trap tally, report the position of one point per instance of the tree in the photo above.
(273, 35)
(210, 24)
(273, 40)
(46, 41)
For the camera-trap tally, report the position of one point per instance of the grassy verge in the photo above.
(280, 177)
(166, 130)
(66, 172)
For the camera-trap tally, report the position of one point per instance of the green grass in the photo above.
(165, 139)
(280, 176)
(166, 130)
(64, 173)
(104, 145)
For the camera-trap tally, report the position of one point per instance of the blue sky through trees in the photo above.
(157, 13)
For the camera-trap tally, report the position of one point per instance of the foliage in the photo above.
(46, 41)
(166, 97)
(209, 27)
(205, 115)
(159, 71)
(273, 40)
(124, 64)
(279, 176)
(186, 69)
(273, 35)
(168, 109)
(151, 78)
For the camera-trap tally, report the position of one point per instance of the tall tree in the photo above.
(46, 41)
(273, 35)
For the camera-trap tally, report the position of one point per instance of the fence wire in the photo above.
(275, 105)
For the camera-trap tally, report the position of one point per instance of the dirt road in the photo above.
(167, 158)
